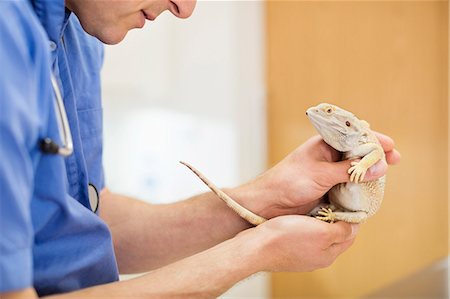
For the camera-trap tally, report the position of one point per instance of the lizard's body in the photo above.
(354, 201)
(351, 202)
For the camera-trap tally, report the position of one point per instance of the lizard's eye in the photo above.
(347, 123)
(329, 110)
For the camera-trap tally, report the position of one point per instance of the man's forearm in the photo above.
(150, 236)
(285, 243)
(204, 275)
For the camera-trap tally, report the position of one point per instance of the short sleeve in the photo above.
(19, 127)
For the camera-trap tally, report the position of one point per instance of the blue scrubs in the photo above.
(49, 237)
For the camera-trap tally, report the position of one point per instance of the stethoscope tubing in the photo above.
(47, 144)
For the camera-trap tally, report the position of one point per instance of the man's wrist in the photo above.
(254, 198)
(210, 273)
(256, 248)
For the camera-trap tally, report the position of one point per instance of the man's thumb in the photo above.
(339, 171)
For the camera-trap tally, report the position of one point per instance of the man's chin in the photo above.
(111, 39)
(109, 36)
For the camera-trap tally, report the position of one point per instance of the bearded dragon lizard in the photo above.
(354, 201)
(350, 202)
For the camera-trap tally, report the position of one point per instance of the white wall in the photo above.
(188, 90)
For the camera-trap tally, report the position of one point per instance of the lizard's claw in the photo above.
(326, 214)
(357, 172)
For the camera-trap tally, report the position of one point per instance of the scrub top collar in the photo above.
(54, 17)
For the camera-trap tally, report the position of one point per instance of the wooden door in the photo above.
(387, 62)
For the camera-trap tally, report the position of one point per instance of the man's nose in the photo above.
(182, 8)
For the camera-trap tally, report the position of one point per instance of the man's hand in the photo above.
(296, 184)
(300, 243)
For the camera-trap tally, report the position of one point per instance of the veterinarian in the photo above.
(63, 233)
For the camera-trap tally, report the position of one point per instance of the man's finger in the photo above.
(337, 248)
(337, 172)
(343, 231)
(376, 171)
(386, 142)
(393, 157)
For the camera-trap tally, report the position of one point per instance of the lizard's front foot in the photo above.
(326, 214)
(357, 172)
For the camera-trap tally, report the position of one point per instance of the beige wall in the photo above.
(387, 62)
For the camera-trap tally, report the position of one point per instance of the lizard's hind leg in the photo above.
(351, 217)
(315, 212)
(322, 211)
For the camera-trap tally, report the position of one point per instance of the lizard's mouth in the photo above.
(315, 119)
(322, 123)
(328, 129)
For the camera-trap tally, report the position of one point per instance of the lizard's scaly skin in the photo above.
(240, 210)
(354, 201)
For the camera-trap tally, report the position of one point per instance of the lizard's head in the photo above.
(339, 128)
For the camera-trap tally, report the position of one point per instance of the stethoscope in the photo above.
(49, 146)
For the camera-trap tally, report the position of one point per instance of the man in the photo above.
(52, 243)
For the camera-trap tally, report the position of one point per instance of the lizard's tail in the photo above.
(240, 210)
